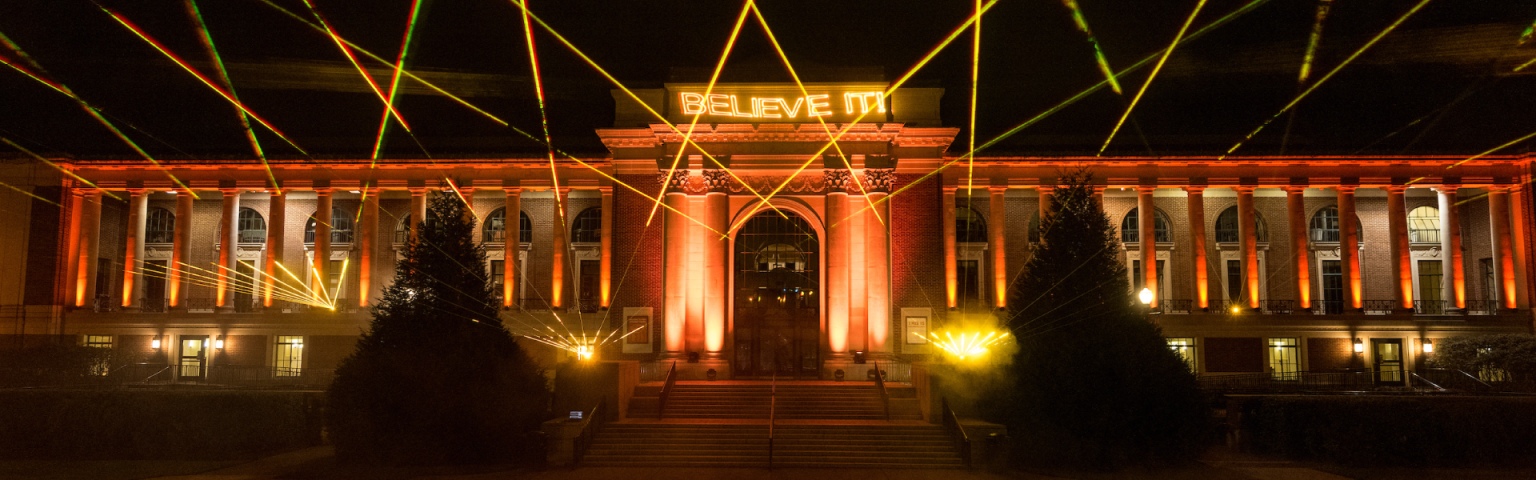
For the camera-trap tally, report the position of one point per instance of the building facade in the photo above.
(747, 245)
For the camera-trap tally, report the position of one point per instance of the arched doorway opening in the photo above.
(778, 308)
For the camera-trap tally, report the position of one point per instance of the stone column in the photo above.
(468, 195)
(1503, 249)
(367, 244)
(856, 224)
(996, 240)
(133, 254)
(229, 240)
(1518, 196)
(70, 282)
(1402, 261)
(838, 276)
(90, 248)
(181, 240)
(559, 247)
(1196, 201)
(277, 216)
(418, 212)
(1349, 247)
(1247, 228)
(511, 245)
(605, 277)
(1450, 245)
(878, 253)
(322, 259)
(1296, 216)
(674, 311)
(951, 277)
(716, 260)
(1146, 219)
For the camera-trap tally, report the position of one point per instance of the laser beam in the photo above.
(218, 61)
(1168, 52)
(1098, 52)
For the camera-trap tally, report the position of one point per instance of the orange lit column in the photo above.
(90, 248)
(71, 251)
(1498, 217)
(1146, 220)
(277, 214)
(467, 194)
(1450, 238)
(1349, 245)
(605, 277)
(837, 261)
(1247, 228)
(856, 221)
(511, 240)
(418, 211)
(367, 244)
(558, 248)
(228, 240)
(674, 311)
(181, 240)
(1518, 195)
(715, 260)
(996, 245)
(322, 259)
(878, 183)
(1296, 216)
(1196, 201)
(947, 216)
(1397, 230)
(133, 254)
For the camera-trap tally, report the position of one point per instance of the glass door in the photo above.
(1333, 286)
(1430, 284)
(1389, 361)
(194, 355)
(777, 322)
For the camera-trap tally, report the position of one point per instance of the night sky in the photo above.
(1443, 81)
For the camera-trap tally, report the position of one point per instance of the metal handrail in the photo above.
(583, 441)
(1436, 386)
(956, 431)
(885, 397)
(666, 390)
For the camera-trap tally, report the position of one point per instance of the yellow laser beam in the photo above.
(196, 15)
(58, 167)
(1168, 52)
(347, 52)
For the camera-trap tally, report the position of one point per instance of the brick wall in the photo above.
(1325, 354)
(1233, 355)
(637, 249)
(244, 350)
(917, 246)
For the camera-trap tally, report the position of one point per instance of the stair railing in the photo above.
(885, 397)
(666, 390)
(956, 431)
(773, 407)
(583, 441)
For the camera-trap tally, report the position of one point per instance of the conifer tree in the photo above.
(1095, 384)
(437, 378)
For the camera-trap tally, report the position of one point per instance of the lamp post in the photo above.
(1146, 298)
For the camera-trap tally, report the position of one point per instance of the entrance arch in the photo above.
(777, 322)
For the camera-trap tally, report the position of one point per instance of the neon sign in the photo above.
(807, 106)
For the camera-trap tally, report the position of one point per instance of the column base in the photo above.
(1402, 311)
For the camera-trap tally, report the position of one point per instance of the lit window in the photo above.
(1283, 358)
(524, 228)
(1227, 229)
(288, 360)
(1424, 225)
(101, 360)
(160, 226)
(341, 227)
(495, 226)
(1130, 227)
(1185, 348)
(251, 227)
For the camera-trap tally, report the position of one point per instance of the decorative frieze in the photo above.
(717, 181)
(837, 180)
(879, 179)
(678, 182)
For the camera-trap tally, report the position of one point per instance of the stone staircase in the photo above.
(816, 424)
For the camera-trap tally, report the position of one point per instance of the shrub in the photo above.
(1396, 431)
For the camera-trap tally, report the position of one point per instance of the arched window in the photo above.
(524, 228)
(1325, 225)
(969, 226)
(160, 227)
(1424, 225)
(1227, 227)
(251, 227)
(1130, 227)
(403, 227)
(341, 227)
(495, 226)
(588, 226)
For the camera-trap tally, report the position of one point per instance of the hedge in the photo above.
(1397, 431)
(155, 424)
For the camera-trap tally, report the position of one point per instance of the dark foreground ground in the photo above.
(318, 463)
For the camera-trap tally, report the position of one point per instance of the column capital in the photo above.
(1145, 188)
(1195, 189)
(1242, 189)
(326, 191)
(605, 190)
(879, 180)
(1294, 189)
(837, 180)
(1498, 189)
(417, 191)
(512, 190)
(717, 181)
(1349, 189)
(230, 192)
(676, 182)
(1450, 188)
(1396, 189)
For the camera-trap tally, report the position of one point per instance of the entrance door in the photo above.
(777, 322)
(1430, 282)
(590, 269)
(194, 354)
(154, 286)
(1389, 361)
(1333, 286)
(245, 286)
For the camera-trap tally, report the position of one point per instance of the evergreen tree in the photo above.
(1095, 384)
(437, 378)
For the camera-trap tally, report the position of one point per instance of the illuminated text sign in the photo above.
(780, 107)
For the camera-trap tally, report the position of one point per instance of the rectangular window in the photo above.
(1430, 278)
(1283, 358)
(288, 360)
(1234, 279)
(1185, 348)
(498, 275)
(1333, 286)
(1490, 283)
(101, 360)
